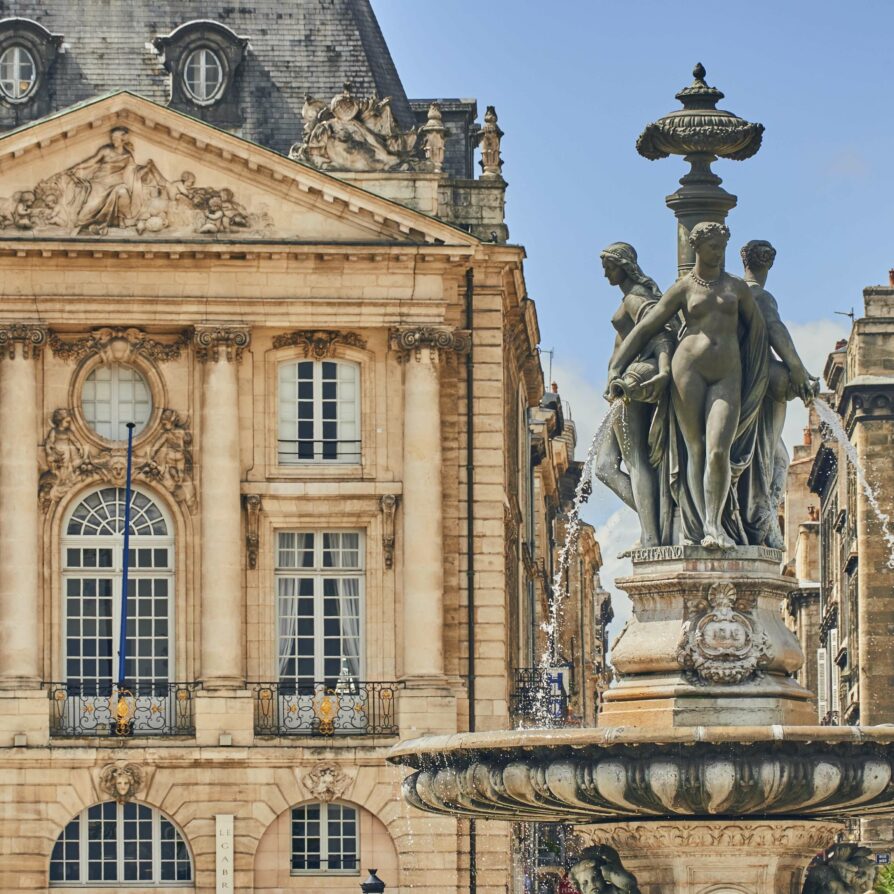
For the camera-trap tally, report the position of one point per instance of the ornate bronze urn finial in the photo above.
(701, 133)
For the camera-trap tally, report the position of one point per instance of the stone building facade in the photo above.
(839, 545)
(330, 360)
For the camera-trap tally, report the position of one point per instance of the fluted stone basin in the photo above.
(614, 774)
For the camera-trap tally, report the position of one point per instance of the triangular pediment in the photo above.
(123, 168)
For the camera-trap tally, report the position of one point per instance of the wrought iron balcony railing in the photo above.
(147, 709)
(538, 698)
(325, 709)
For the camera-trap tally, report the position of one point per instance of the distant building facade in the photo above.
(302, 295)
(843, 610)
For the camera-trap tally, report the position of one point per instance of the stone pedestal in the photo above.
(707, 644)
(728, 857)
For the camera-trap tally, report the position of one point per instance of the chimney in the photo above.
(555, 387)
(891, 277)
(808, 436)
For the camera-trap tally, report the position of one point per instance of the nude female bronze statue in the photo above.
(636, 438)
(718, 383)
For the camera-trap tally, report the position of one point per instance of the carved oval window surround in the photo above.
(204, 75)
(150, 374)
(27, 55)
(18, 73)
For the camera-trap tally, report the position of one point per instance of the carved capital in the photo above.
(252, 535)
(30, 337)
(214, 342)
(121, 781)
(409, 343)
(318, 343)
(388, 504)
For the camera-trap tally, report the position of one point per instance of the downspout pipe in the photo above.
(470, 548)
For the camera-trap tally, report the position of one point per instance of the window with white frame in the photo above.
(92, 568)
(18, 73)
(114, 395)
(203, 75)
(319, 412)
(111, 844)
(319, 590)
(325, 838)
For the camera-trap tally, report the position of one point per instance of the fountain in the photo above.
(707, 772)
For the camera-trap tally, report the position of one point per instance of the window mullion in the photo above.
(83, 861)
(119, 842)
(156, 847)
(318, 409)
(324, 835)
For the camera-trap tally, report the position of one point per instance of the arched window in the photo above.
(92, 566)
(325, 838)
(319, 412)
(111, 844)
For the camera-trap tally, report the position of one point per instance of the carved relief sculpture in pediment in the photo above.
(353, 134)
(165, 459)
(111, 193)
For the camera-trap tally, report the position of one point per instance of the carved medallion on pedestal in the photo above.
(720, 641)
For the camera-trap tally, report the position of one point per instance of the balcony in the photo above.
(538, 698)
(322, 710)
(147, 709)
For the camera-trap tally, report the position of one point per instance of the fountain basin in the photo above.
(612, 775)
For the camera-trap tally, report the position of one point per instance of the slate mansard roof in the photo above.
(294, 47)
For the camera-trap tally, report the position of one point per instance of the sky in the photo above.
(574, 82)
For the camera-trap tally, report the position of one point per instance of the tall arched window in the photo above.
(319, 412)
(111, 844)
(92, 567)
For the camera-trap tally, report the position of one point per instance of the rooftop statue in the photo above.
(719, 377)
(353, 134)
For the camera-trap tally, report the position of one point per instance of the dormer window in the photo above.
(18, 73)
(203, 75)
(27, 54)
(203, 58)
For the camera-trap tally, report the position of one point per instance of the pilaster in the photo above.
(219, 348)
(20, 345)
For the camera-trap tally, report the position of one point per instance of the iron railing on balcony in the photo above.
(538, 698)
(323, 709)
(148, 709)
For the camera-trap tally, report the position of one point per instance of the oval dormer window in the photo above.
(18, 73)
(203, 75)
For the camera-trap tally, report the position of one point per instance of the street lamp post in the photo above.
(373, 885)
